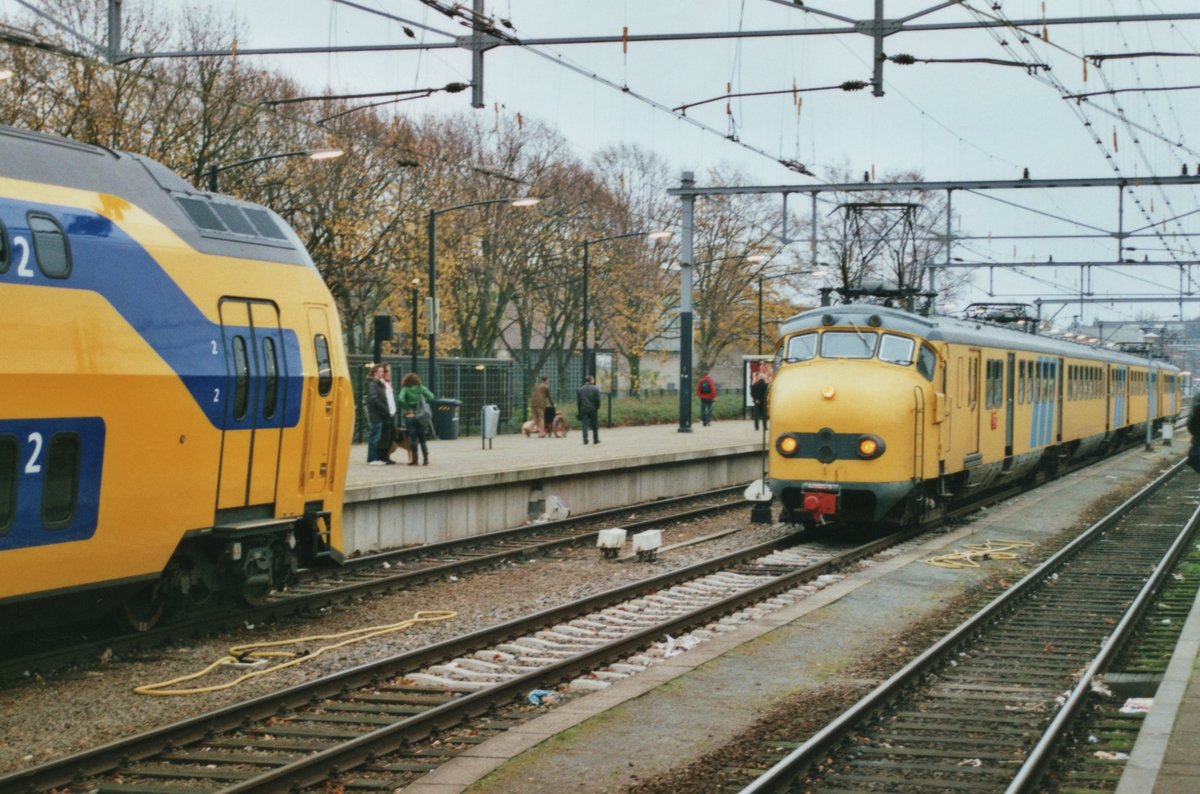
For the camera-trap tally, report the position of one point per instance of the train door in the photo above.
(1152, 393)
(1060, 384)
(318, 404)
(1010, 377)
(974, 358)
(1120, 397)
(253, 400)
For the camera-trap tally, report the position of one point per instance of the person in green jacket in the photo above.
(409, 400)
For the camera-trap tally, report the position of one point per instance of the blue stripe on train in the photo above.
(25, 515)
(110, 263)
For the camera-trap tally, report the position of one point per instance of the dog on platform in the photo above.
(400, 440)
(557, 428)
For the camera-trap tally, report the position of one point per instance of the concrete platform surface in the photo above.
(465, 456)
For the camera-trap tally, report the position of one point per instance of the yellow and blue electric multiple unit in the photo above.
(880, 415)
(175, 408)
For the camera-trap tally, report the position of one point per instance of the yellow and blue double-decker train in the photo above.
(879, 415)
(175, 408)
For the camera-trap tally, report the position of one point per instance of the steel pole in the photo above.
(685, 305)
(414, 328)
(586, 368)
(431, 320)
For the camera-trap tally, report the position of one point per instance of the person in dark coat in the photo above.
(378, 416)
(588, 401)
(758, 396)
(1193, 426)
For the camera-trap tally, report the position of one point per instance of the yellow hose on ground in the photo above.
(238, 654)
(972, 553)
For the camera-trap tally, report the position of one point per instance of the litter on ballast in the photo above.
(542, 697)
(1137, 705)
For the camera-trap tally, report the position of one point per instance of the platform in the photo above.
(1166, 756)
(470, 488)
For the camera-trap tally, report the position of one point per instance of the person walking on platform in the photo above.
(758, 396)
(706, 390)
(413, 400)
(588, 401)
(538, 402)
(1193, 427)
(378, 417)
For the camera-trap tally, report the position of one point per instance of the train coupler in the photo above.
(820, 502)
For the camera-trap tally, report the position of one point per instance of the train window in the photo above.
(233, 218)
(271, 387)
(241, 379)
(60, 492)
(896, 349)
(802, 347)
(324, 368)
(50, 246)
(8, 482)
(3, 249)
(927, 362)
(848, 344)
(264, 223)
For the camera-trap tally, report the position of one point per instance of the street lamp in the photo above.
(312, 154)
(431, 318)
(655, 235)
(416, 282)
(1150, 338)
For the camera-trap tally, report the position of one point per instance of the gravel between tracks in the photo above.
(73, 711)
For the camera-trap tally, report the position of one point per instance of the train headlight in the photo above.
(787, 445)
(870, 447)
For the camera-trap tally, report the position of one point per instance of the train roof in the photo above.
(209, 222)
(938, 328)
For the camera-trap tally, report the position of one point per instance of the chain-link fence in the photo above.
(476, 382)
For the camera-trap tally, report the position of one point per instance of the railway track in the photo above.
(351, 729)
(986, 708)
(358, 577)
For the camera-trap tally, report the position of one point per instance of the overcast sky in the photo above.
(945, 121)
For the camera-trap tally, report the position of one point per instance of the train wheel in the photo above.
(142, 610)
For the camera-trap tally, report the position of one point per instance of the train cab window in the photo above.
(8, 483)
(848, 344)
(802, 347)
(896, 349)
(60, 493)
(3, 249)
(271, 386)
(50, 246)
(927, 362)
(324, 367)
(241, 379)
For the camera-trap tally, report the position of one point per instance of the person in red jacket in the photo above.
(706, 390)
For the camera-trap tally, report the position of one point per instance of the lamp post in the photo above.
(431, 318)
(415, 283)
(312, 154)
(656, 235)
(1150, 338)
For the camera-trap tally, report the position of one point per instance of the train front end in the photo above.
(848, 409)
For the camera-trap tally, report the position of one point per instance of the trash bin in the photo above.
(445, 418)
(491, 421)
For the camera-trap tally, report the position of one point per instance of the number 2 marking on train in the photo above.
(216, 395)
(214, 347)
(23, 269)
(33, 467)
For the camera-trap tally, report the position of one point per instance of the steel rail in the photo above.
(105, 759)
(817, 747)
